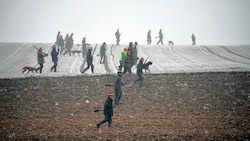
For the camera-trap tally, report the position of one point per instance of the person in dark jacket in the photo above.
(103, 53)
(40, 59)
(108, 111)
(118, 87)
(54, 56)
(139, 72)
(89, 60)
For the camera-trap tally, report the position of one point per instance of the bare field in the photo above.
(181, 106)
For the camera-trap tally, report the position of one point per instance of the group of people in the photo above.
(160, 36)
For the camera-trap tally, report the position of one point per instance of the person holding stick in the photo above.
(108, 111)
(40, 59)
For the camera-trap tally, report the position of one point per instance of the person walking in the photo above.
(122, 55)
(69, 44)
(61, 45)
(118, 87)
(160, 37)
(103, 53)
(40, 59)
(117, 35)
(193, 39)
(107, 111)
(139, 72)
(135, 53)
(89, 60)
(149, 37)
(127, 63)
(54, 56)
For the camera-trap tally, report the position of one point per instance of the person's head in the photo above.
(135, 44)
(90, 48)
(128, 53)
(84, 38)
(54, 46)
(40, 49)
(125, 49)
(130, 44)
(119, 72)
(142, 59)
(110, 95)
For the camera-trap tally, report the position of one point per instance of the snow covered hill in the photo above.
(166, 59)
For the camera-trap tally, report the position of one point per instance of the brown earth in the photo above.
(184, 106)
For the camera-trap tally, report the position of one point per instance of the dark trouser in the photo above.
(54, 66)
(40, 68)
(118, 95)
(106, 118)
(89, 65)
(160, 41)
(67, 51)
(127, 68)
(117, 42)
(140, 77)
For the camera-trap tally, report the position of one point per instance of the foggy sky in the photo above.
(214, 22)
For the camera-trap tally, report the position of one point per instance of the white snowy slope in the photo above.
(166, 59)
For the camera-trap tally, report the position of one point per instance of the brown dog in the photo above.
(28, 68)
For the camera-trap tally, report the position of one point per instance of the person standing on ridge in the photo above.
(160, 37)
(117, 35)
(193, 39)
(149, 37)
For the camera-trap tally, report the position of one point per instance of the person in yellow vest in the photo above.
(122, 55)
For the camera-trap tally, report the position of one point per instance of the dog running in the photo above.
(28, 69)
(146, 66)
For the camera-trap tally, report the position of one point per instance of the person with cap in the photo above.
(40, 59)
(54, 56)
(103, 53)
(89, 60)
(118, 87)
(122, 55)
(107, 111)
(139, 72)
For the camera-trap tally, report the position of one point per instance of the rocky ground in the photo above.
(184, 106)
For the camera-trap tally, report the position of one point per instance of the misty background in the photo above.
(214, 22)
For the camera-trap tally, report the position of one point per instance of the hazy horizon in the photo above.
(214, 22)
